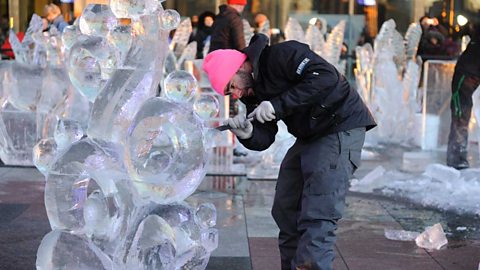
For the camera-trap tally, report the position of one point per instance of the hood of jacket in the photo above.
(254, 50)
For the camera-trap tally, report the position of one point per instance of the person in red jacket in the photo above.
(7, 47)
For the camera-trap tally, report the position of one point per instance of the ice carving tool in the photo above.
(227, 127)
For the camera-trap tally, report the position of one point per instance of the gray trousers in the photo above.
(310, 197)
(463, 87)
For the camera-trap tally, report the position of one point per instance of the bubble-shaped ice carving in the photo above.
(62, 250)
(67, 132)
(43, 153)
(121, 37)
(95, 214)
(97, 20)
(169, 19)
(206, 106)
(153, 246)
(91, 63)
(71, 178)
(70, 35)
(180, 86)
(164, 154)
(134, 8)
(206, 215)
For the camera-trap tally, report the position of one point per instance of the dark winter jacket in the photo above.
(307, 93)
(469, 61)
(227, 32)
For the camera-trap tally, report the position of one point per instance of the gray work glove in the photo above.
(241, 127)
(264, 112)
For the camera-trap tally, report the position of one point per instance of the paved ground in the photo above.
(248, 233)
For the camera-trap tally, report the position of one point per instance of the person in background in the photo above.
(466, 79)
(432, 42)
(289, 82)
(262, 24)
(66, 6)
(54, 16)
(227, 32)
(204, 31)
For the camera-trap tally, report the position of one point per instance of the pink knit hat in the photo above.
(221, 65)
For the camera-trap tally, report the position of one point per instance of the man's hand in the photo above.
(241, 127)
(264, 112)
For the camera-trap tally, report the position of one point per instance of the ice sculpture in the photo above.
(392, 97)
(114, 196)
(35, 82)
(294, 31)
(181, 37)
(328, 49)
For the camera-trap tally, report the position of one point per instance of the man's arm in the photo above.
(263, 134)
(314, 76)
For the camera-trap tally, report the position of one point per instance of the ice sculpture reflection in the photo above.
(114, 196)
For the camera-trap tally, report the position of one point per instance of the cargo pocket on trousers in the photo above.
(324, 201)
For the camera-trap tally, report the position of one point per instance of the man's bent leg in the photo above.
(327, 164)
(286, 205)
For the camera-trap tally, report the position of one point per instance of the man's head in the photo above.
(51, 11)
(229, 72)
(239, 5)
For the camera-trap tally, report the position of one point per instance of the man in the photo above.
(227, 30)
(227, 33)
(54, 16)
(466, 79)
(289, 82)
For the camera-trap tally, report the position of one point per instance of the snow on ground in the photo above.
(438, 186)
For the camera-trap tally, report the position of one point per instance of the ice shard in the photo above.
(432, 238)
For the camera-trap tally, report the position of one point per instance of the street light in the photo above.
(462, 20)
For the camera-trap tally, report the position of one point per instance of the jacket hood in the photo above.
(254, 50)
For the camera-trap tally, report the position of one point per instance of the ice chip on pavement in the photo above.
(401, 235)
(370, 181)
(442, 173)
(180, 86)
(206, 106)
(43, 154)
(61, 250)
(165, 156)
(169, 19)
(432, 238)
(97, 20)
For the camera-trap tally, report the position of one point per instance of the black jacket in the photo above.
(227, 32)
(307, 93)
(469, 61)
